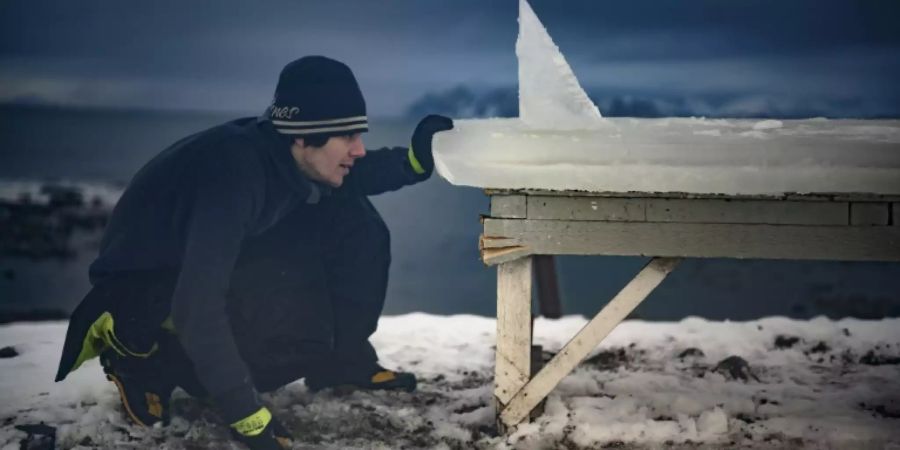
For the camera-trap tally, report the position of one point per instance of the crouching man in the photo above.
(248, 256)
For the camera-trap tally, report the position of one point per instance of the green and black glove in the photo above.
(420, 156)
(261, 431)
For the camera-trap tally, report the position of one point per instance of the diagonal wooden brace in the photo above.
(521, 404)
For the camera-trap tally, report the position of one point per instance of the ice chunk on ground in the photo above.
(549, 94)
(712, 423)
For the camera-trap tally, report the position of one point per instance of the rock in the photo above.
(783, 342)
(735, 368)
(821, 347)
(48, 231)
(62, 196)
(871, 359)
(884, 411)
(692, 352)
(40, 437)
(608, 359)
(487, 430)
(8, 352)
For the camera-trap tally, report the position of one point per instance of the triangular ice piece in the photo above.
(549, 94)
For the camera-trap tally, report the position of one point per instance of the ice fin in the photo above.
(549, 94)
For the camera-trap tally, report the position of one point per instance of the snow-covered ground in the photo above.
(809, 384)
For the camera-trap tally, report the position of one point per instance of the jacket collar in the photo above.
(278, 148)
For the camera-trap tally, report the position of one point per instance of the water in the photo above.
(435, 228)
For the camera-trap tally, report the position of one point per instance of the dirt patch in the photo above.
(692, 352)
(821, 347)
(783, 342)
(735, 368)
(615, 358)
(875, 359)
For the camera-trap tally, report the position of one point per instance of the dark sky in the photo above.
(715, 57)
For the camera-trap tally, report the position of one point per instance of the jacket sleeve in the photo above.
(383, 170)
(221, 210)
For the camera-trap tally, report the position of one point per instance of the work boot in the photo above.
(378, 378)
(142, 384)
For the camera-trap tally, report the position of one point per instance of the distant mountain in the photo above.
(465, 102)
(469, 102)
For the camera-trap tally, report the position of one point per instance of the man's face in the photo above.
(330, 163)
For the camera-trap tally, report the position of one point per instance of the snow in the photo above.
(768, 125)
(833, 386)
(561, 142)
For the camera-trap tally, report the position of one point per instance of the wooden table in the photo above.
(666, 227)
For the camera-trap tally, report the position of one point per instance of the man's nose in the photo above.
(358, 149)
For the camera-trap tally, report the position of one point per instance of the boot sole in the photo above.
(124, 399)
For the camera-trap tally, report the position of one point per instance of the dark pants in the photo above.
(304, 298)
(307, 294)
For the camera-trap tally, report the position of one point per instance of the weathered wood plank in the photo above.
(869, 243)
(863, 197)
(818, 196)
(587, 339)
(499, 249)
(508, 206)
(775, 212)
(586, 208)
(491, 256)
(862, 214)
(513, 357)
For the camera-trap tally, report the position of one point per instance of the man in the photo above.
(248, 256)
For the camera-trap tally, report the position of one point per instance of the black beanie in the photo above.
(317, 96)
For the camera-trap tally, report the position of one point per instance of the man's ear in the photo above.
(300, 142)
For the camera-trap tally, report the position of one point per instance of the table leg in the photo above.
(513, 358)
(547, 286)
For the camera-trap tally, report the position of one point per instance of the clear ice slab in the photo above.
(731, 157)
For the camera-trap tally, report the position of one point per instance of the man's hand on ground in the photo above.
(420, 152)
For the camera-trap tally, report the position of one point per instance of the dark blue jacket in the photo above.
(189, 210)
